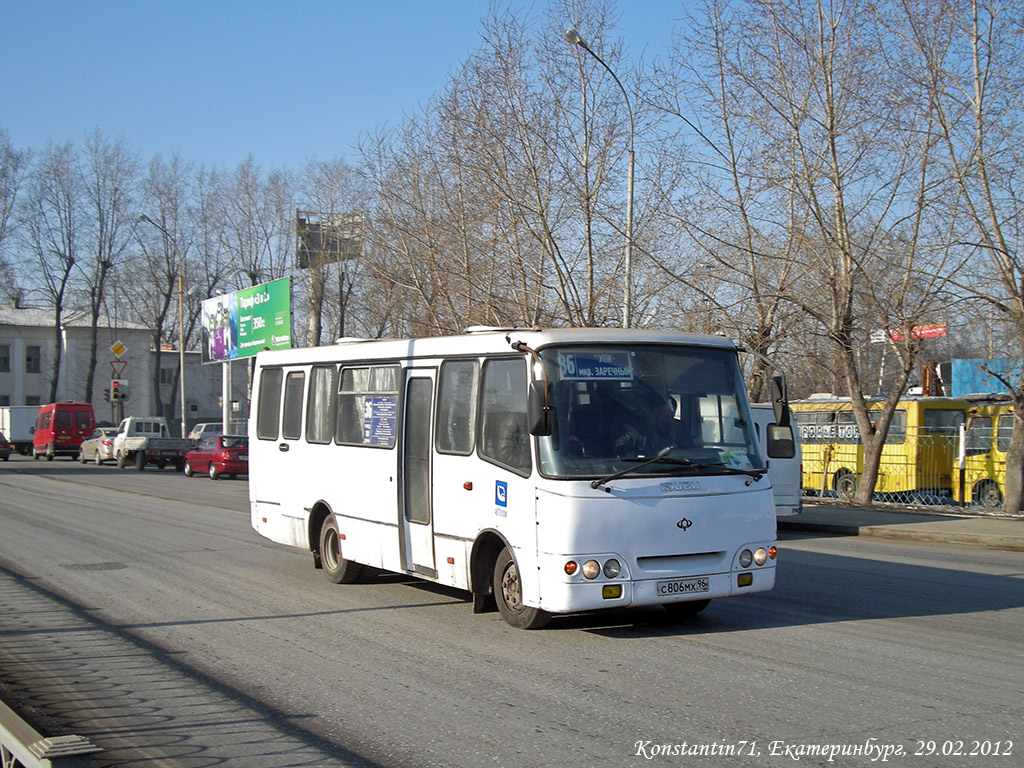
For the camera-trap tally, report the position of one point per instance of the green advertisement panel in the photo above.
(242, 323)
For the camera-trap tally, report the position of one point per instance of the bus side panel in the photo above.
(496, 500)
(268, 521)
(358, 484)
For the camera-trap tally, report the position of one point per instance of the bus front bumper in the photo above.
(573, 597)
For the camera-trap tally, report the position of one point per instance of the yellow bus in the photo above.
(989, 427)
(917, 459)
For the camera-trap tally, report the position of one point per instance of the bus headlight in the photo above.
(591, 569)
(761, 556)
(612, 568)
(746, 558)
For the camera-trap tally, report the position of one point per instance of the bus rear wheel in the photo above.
(508, 594)
(336, 568)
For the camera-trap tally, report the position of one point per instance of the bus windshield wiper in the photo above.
(661, 458)
(757, 474)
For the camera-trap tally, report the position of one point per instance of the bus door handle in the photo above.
(283, 447)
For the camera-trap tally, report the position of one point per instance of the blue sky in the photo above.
(218, 80)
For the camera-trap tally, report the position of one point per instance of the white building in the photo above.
(28, 350)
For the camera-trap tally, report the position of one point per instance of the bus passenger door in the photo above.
(416, 486)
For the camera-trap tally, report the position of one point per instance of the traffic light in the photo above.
(106, 394)
(117, 391)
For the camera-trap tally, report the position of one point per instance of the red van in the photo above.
(61, 428)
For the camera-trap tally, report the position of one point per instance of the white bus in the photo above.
(781, 448)
(548, 472)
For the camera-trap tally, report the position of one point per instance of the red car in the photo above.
(219, 455)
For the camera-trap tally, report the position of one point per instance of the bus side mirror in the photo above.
(780, 442)
(780, 403)
(539, 408)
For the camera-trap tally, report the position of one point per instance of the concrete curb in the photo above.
(993, 533)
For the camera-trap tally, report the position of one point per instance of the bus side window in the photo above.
(268, 415)
(293, 390)
(322, 404)
(504, 435)
(456, 409)
(1004, 432)
(979, 436)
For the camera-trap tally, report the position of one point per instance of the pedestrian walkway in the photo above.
(980, 530)
(67, 672)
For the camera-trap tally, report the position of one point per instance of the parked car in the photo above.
(218, 455)
(204, 428)
(99, 446)
(5, 448)
(61, 428)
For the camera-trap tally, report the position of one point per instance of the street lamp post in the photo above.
(181, 316)
(574, 37)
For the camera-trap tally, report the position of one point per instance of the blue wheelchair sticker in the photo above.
(501, 493)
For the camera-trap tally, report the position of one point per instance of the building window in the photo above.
(5, 400)
(33, 359)
(5, 358)
(167, 376)
(33, 400)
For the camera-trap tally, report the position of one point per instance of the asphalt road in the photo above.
(143, 610)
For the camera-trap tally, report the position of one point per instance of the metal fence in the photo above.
(914, 469)
(21, 746)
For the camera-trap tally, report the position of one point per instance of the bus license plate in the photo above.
(683, 586)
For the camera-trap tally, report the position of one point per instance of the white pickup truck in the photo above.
(142, 440)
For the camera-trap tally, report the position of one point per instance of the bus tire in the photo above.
(986, 494)
(336, 568)
(846, 485)
(686, 608)
(508, 594)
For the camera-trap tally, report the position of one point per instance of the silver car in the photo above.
(98, 446)
(204, 428)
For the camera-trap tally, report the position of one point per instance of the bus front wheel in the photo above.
(988, 495)
(508, 594)
(846, 485)
(337, 569)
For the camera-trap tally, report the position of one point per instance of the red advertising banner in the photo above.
(932, 331)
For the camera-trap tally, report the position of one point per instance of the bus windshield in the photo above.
(646, 410)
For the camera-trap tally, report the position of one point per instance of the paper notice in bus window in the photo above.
(380, 417)
(736, 459)
(586, 365)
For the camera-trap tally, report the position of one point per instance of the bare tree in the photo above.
(332, 191)
(14, 166)
(970, 57)
(820, 141)
(51, 218)
(111, 175)
(167, 237)
(256, 222)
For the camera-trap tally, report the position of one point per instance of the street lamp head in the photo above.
(574, 37)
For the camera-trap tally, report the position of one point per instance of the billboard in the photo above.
(242, 323)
